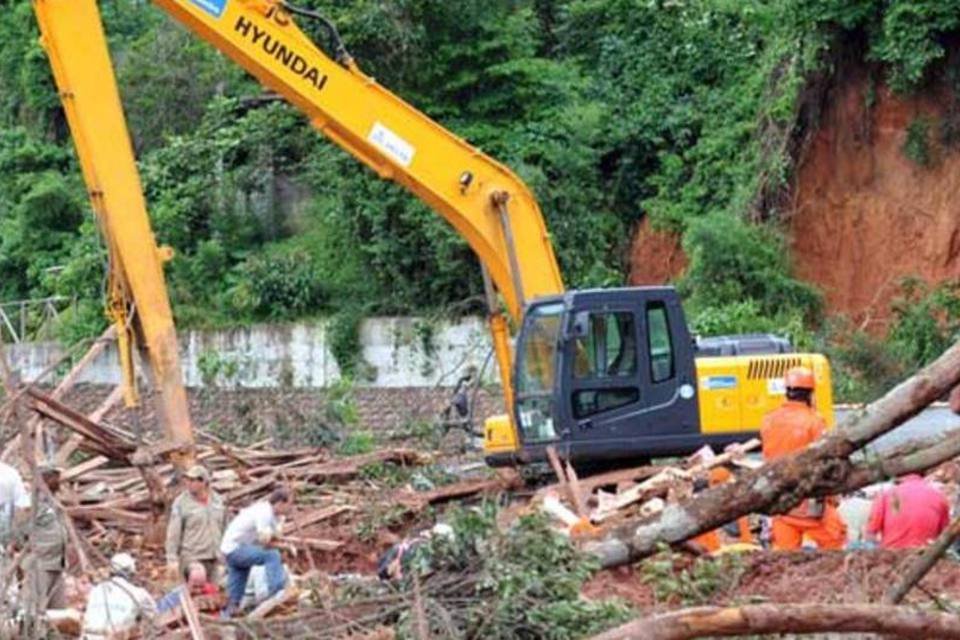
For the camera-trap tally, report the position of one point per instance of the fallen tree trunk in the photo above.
(702, 622)
(913, 457)
(820, 469)
(922, 565)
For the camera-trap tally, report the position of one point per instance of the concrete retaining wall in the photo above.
(401, 352)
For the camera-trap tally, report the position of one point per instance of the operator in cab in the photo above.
(790, 428)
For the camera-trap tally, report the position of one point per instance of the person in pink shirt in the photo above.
(910, 514)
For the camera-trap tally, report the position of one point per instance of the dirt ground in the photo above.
(824, 577)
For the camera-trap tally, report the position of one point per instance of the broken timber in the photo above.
(821, 469)
(701, 622)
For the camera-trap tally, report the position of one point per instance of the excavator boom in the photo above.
(469, 189)
(72, 35)
(482, 199)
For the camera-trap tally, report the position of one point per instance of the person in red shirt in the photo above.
(911, 514)
(790, 428)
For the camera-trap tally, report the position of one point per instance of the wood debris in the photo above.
(640, 491)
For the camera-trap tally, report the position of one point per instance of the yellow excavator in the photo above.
(604, 376)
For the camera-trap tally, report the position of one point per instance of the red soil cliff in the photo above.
(863, 215)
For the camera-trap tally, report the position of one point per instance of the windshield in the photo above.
(537, 353)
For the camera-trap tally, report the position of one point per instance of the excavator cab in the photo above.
(601, 375)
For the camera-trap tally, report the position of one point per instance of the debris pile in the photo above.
(610, 497)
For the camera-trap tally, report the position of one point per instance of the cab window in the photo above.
(659, 342)
(606, 353)
(609, 349)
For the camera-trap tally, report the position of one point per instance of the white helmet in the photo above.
(123, 563)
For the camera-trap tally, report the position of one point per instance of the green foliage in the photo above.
(385, 473)
(344, 335)
(738, 280)
(41, 216)
(277, 285)
(168, 76)
(926, 321)
(341, 403)
(907, 35)
(863, 367)
(380, 517)
(916, 146)
(678, 582)
(356, 443)
(522, 583)
(217, 369)
(610, 110)
(745, 316)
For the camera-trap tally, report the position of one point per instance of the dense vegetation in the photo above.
(612, 110)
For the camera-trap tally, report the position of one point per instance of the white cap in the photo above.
(123, 563)
(442, 529)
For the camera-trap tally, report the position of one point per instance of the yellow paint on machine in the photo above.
(735, 392)
(499, 436)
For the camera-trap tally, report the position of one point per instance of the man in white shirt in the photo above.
(244, 546)
(116, 605)
(14, 499)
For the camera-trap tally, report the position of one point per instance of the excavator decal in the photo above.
(281, 52)
(213, 7)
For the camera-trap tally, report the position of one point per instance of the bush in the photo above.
(926, 321)
(522, 583)
(678, 581)
(279, 285)
(738, 280)
(745, 316)
(916, 146)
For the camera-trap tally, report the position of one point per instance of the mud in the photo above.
(829, 577)
(864, 214)
(656, 257)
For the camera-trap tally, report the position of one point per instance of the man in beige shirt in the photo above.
(47, 561)
(197, 519)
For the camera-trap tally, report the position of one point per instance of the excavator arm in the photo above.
(482, 199)
(72, 35)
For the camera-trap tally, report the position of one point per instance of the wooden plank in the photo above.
(313, 543)
(732, 453)
(99, 513)
(87, 466)
(191, 614)
(661, 481)
(34, 424)
(252, 488)
(590, 483)
(268, 606)
(105, 438)
(557, 469)
(464, 488)
(669, 475)
(321, 515)
(575, 491)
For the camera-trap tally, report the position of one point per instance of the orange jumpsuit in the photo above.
(711, 540)
(787, 429)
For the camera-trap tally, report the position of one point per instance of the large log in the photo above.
(700, 622)
(782, 484)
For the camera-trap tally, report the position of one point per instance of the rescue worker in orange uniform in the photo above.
(789, 428)
(711, 541)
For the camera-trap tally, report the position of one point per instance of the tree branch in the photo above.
(821, 468)
(924, 563)
(701, 622)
